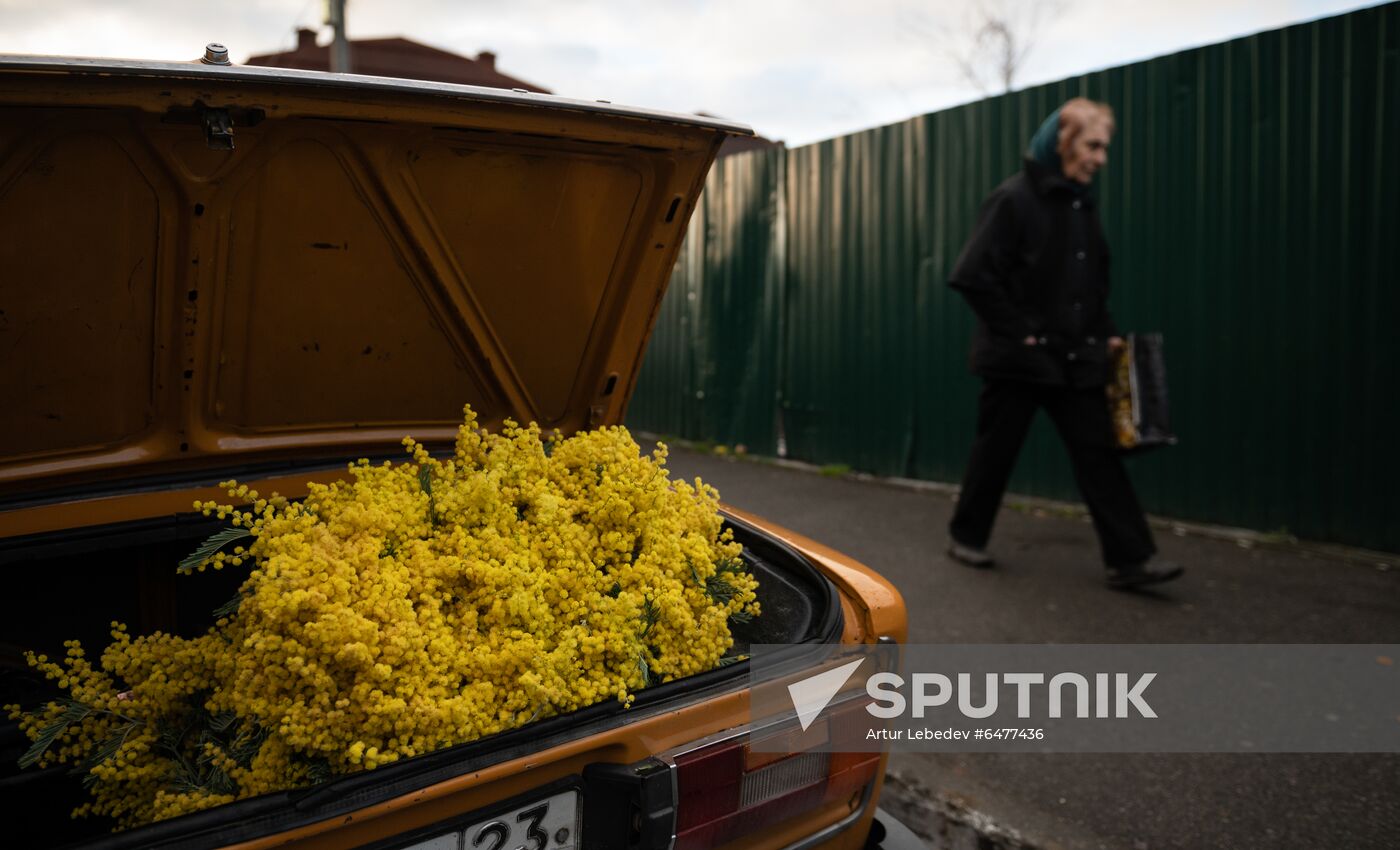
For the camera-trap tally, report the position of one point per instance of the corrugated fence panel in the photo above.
(851, 277)
(1252, 203)
(711, 370)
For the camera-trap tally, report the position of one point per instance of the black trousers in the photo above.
(1004, 414)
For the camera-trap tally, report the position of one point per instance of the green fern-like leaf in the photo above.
(229, 608)
(212, 544)
(318, 771)
(719, 590)
(732, 566)
(168, 738)
(650, 615)
(425, 481)
(73, 712)
(217, 780)
(247, 743)
(209, 774)
(221, 723)
(108, 749)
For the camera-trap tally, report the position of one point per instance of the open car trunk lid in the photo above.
(212, 268)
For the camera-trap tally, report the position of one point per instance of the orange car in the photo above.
(215, 272)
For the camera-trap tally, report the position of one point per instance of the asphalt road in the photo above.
(1048, 588)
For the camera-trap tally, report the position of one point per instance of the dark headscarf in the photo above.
(1044, 151)
(1045, 142)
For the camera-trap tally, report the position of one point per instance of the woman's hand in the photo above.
(1115, 343)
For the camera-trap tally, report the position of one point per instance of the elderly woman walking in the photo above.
(1035, 271)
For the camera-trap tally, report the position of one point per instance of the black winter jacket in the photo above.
(1036, 265)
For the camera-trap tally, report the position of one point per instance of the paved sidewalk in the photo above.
(1048, 589)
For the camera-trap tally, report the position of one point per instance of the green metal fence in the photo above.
(711, 369)
(1252, 202)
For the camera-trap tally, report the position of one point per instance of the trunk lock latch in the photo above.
(218, 129)
(216, 121)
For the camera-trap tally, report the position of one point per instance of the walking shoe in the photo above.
(969, 555)
(1151, 571)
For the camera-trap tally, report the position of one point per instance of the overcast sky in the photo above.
(797, 70)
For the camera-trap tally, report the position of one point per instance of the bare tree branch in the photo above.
(989, 41)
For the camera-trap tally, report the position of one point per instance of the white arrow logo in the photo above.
(811, 695)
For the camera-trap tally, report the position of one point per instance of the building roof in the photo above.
(397, 57)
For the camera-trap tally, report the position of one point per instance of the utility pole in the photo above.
(340, 46)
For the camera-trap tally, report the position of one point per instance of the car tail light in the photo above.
(718, 789)
(729, 788)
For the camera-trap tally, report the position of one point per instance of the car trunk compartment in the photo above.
(128, 573)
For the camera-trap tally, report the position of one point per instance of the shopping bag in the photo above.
(1137, 395)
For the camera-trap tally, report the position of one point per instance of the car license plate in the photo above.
(548, 824)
